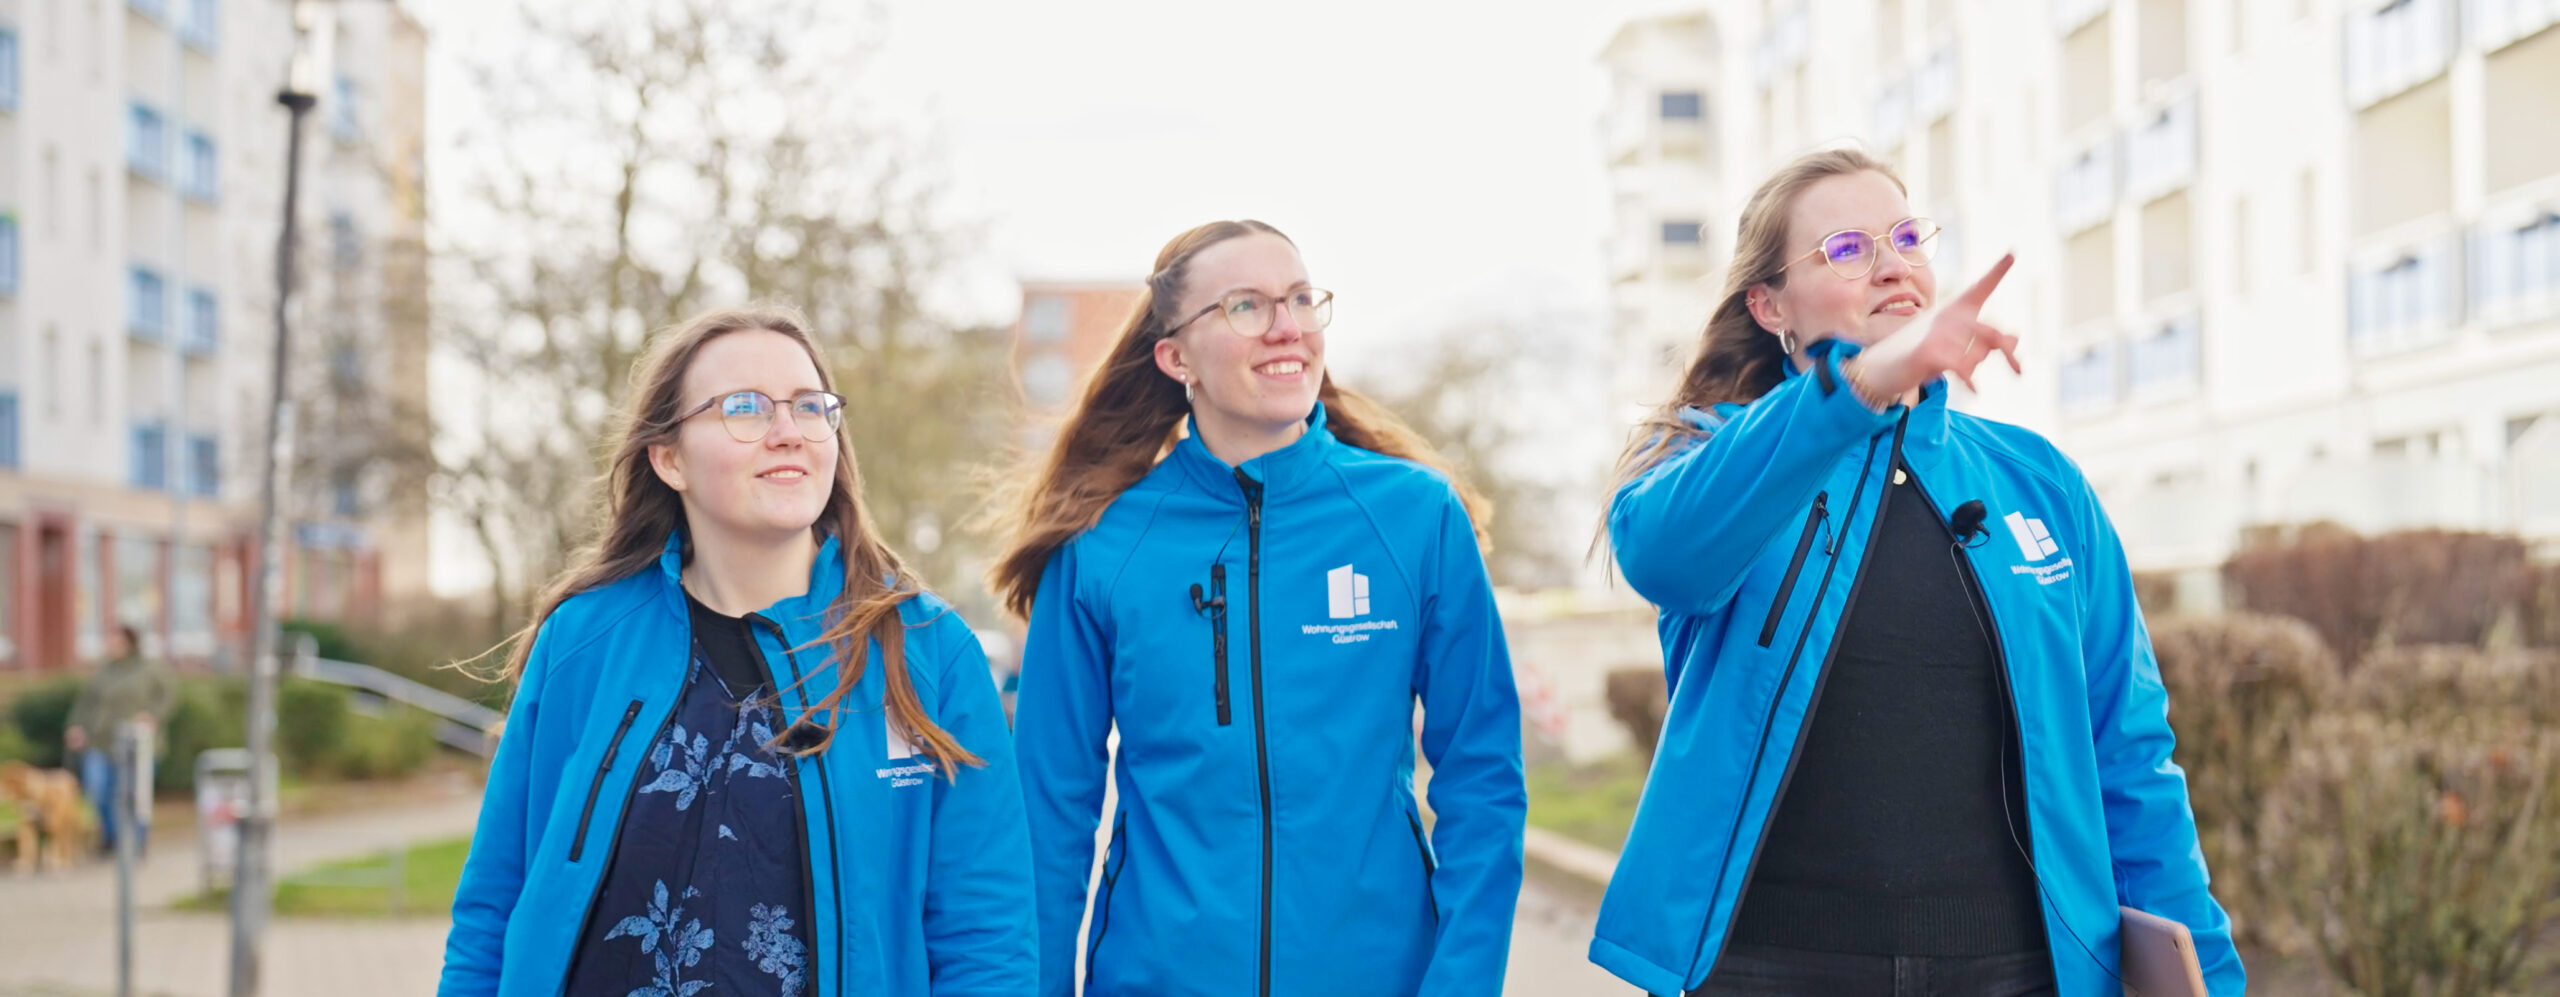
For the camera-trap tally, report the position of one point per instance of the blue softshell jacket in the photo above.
(920, 885)
(1752, 540)
(1267, 840)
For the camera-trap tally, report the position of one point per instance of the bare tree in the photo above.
(643, 161)
(1478, 391)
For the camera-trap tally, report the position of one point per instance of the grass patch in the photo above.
(359, 887)
(1592, 803)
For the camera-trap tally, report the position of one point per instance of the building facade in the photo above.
(141, 181)
(2278, 261)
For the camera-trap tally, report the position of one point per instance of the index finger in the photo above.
(1981, 289)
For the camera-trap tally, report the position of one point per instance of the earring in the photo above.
(1186, 391)
(1787, 342)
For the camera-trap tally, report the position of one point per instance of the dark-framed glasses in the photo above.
(748, 415)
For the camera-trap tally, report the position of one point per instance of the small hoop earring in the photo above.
(1186, 392)
(1787, 342)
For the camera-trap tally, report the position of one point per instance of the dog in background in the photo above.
(55, 826)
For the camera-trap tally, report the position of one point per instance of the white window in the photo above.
(2160, 155)
(2168, 357)
(2395, 45)
(2085, 193)
(1933, 88)
(2494, 23)
(146, 141)
(2089, 380)
(1892, 113)
(202, 176)
(1682, 106)
(2401, 300)
(2516, 267)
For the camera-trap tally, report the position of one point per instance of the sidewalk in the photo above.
(57, 930)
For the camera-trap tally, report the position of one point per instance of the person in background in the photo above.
(127, 688)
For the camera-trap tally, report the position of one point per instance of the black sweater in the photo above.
(1892, 837)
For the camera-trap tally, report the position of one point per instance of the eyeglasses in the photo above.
(1250, 313)
(748, 415)
(1852, 253)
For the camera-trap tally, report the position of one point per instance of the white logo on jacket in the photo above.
(1346, 596)
(902, 746)
(2036, 543)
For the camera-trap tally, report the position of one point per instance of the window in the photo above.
(2517, 272)
(1045, 380)
(2400, 302)
(342, 110)
(2395, 46)
(153, 9)
(346, 366)
(204, 466)
(2085, 193)
(203, 176)
(344, 500)
(2240, 261)
(2161, 153)
(2169, 357)
(204, 24)
(346, 246)
(8, 255)
(1044, 320)
(2088, 381)
(150, 455)
(147, 142)
(204, 322)
(8, 69)
(8, 429)
(137, 599)
(1685, 234)
(146, 304)
(1682, 105)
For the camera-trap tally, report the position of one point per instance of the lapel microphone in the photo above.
(1966, 523)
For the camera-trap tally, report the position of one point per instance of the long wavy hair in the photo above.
(1130, 416)
(639, 512)
(1737, 360)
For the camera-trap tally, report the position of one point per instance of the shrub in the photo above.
(2242, 690)
(398, 743)
(2362, 594)
(41, 713)
(2423, 859)
(311, 724)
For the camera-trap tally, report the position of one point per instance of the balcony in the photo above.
(2084, 194)
(2517, 112)
(2394, 46)
(2088, 382)
(2072, 15)
(1933, 86)
(2496, 23)
(2515, 265)
(2167, 359)
(1782, 47)
(2403, 297)
(1891, 114)
(2160, 153)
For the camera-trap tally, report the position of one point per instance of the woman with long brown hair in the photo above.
(1254, 574)
(747, 752)
(1917, 742)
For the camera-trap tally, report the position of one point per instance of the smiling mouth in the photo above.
(1899, 306)
(784, 474)
(1283, 368)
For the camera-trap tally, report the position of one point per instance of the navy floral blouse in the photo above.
(708, 888)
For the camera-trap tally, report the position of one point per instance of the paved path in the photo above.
(57, 930)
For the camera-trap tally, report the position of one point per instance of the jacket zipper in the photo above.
(613, 748)
(1261, 743)
(1218, 635)
(1110, 886)
(1787, 585)
(1866, 468)
(827, 798)
(1429, 867)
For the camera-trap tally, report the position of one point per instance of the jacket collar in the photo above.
(1278, 471)
(826, 581)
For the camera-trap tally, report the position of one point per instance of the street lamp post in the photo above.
(250, 889)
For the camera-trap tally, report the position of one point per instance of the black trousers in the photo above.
(1768, 971)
